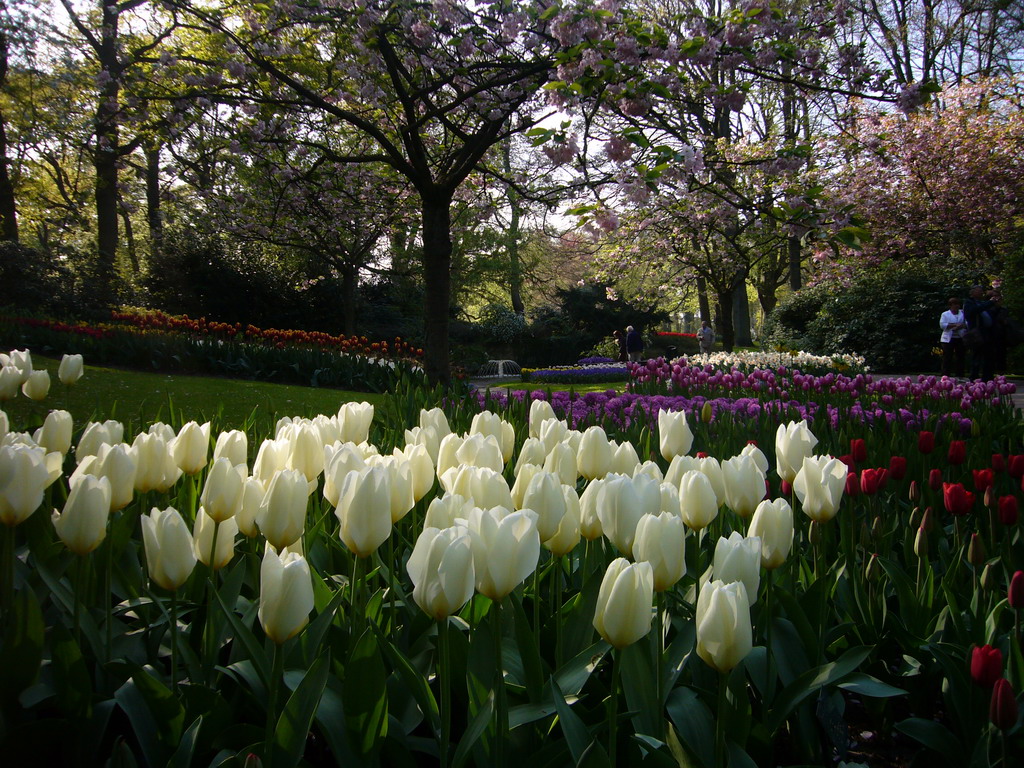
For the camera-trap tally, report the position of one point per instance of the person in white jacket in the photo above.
(953, 324)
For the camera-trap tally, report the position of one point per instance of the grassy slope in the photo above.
(132, 396)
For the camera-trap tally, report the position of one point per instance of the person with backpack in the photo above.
(634, 344)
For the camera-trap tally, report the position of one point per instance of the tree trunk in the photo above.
(725, 321)
(153, 213)
(129, 237)
(437, 263)
(795, 279)
(106, 156)
(515, 276)
(741, 311)
(349, 284)
(702, 300)
(8, 208)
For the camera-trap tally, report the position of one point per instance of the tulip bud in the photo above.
(852, 485)
(983, 479)
(442, 572)
(354, 421)
(364, 510)
(590, 523)
(10, 380)
(1015, 466)
(873, 569)
(1003, 709)
(82, 525)
(1015, 592)
(914, 494)
(490, 424)
(170, 555)
(253, 494)
(623, 614)
(957, 499)
(819, 485)
(928, 519)
(625, 460)
(233, 446)
(926, 442)
(286, 595)
(282, 514)
(544, 496)
(706, 412)
(935, 479)
(897, 467)
(594, 456)
(986, 665)
(794, 442)
(222, 492)
(70, 370)
(155, 469)
(957, 452)
(506, 547)
(540, 411)
(915, 517)
(623, 501)
(191, 447)
(989, 499)
(814, 533)
(202, 540)
(532, 452)
(568, 534)
(24, 476)
(744, 485)
(998, 462)
(562, 461)
(37, 385)
(661, 541)
(976, 551)
(988, 577)
(751, 450)
(739, 559)
(859, 449)
(674, 435)
(724, 635)
(773, 525)
(698, 505)
(921, 544)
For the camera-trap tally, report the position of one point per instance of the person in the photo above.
(620, 340)
(706, 338)
(634, 344)
(978, 313)
(954, 325)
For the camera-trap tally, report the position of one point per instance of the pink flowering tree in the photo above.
(944, 187)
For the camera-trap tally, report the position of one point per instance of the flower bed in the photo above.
(377, 589)
(155, 341)
(578, 374)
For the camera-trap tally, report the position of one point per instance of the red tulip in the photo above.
(1015, 593)
(1003, 709)
(1015, 466)
(983, 478)
(873, 480)
(986, 665)
(852, 484)
(1008, 513)
(859, 449)
(957, 452)
(897, 467)
(958, 500)
(998, 462)
(935, 479)
(926, 442)
(787, 488)
(847, 459)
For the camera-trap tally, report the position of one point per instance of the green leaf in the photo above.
(297, 716)
(812, 681)
(472, 734)
(182, 757)
(639, 684)
(413, 680)
(529, 653)
(866, 685)
(22, 652)
(576, 734)
(330, 717)
(243, 633)
(365, 695)
(694, 724)
(71, 676)
(935, 737)
(154, 712)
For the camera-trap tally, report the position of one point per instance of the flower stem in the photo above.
(501, 713)
(275, 682)
(444, 674)
(613, 709)
(721, 758)
(7, 573)
(174, 640)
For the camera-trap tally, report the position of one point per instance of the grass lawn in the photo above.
(142, 398)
